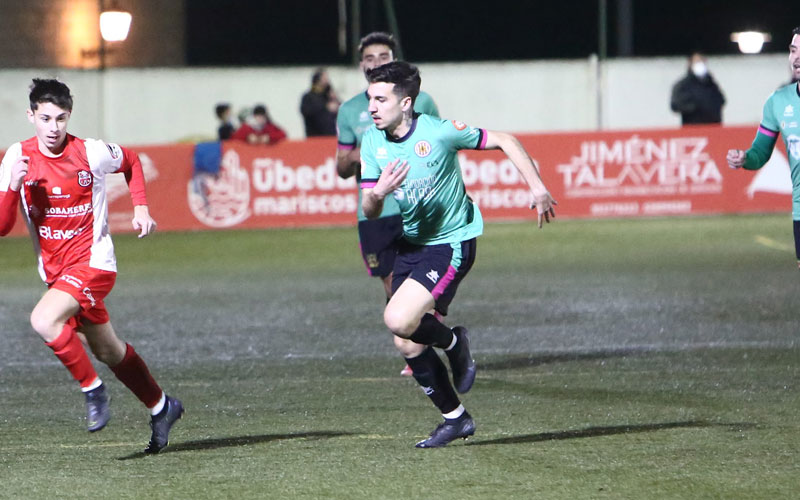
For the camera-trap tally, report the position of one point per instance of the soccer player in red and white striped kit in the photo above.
(59, 181)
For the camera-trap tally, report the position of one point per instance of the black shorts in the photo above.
(378, 239)
(439, 268)
(796, 224)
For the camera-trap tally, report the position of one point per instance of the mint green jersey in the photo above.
(354, 119)
(433, 200)
(781, 116)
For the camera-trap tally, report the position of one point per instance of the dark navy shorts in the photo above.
(378, 241)
(439, 268)
(797, 238)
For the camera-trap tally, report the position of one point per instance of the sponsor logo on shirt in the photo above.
(84, 178)
(793, 146)
(788, 111)
(364, 117)
(422, 148)
(48, 233)
(68, 211)
(57, 194)
(459, 125)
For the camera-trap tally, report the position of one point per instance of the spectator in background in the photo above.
(319, 106)
(226, 128)
(696, 96)
(260, 130)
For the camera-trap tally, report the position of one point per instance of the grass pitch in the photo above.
(617, 359)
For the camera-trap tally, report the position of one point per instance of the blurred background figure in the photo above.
(226, 128)
(259, 129)
(319, 106)
(697, 96)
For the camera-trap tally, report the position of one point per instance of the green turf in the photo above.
(619, 359)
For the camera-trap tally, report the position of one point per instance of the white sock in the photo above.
(94, 385)
(452, 344)
(160, 405)
(455, 413)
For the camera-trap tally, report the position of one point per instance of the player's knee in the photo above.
(398, 322)
(45, 326)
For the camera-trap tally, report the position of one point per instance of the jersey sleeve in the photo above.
(766, 137)
(14, 152)
(424, 104)
(109, 158)
(459, 135)
(345, 135)
(370, 169)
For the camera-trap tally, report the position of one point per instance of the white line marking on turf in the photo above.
(770, 243)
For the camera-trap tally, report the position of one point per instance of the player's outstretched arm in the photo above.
(10, 199)
(391, 178)
(735, 158)
(142, 221)
(542, 201)
(347, 161)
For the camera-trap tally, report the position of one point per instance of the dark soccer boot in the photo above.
(461, 363)
(97, 411)
(162, 423)
(447, 431)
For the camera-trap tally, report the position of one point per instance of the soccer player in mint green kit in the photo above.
(413, 159)
(378, 237)
(781, 116)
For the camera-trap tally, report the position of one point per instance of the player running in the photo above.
(413, 158)
(60, 182)
(781, 115)
(378, 237)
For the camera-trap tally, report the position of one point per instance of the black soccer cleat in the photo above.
(98, 412)
(449, 430)
(162, 423)
(461, 362)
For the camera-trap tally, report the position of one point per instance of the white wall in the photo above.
(151, 106)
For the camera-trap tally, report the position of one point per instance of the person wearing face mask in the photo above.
(319, 106)
(697, 96)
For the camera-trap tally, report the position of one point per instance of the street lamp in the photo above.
(114, 24)
(750, 42)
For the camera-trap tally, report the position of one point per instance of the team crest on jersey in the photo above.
(459, 125)
(115, 151)
(422, 148)
(84, 178)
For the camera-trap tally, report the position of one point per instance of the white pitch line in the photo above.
(776, 245)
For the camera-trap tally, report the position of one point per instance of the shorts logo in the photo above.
(115, 151)
(433, 275)
(84, 178)
(459, 125)
(87, 292)
(72, 280)
(372, 260)
(422, 148)
(427, 390)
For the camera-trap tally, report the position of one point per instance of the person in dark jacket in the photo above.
(697, 96)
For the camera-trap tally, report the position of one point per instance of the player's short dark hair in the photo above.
(260, 109)
(49, 90)
(796, 31)
(221, 109)
(377, 38)
(403, 75)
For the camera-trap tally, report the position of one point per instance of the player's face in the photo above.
(375, 55)
(50, 123)
(794, 57)
(385, 107)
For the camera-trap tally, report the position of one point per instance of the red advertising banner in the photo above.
(590, 174)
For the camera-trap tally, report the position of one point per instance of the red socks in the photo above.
(69, 350)
(133, 372)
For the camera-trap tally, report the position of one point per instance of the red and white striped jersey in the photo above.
(64, 201)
